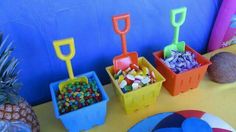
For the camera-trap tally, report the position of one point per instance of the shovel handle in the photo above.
(115, 20)
(126, 18)
(57, 46)
(182, 11)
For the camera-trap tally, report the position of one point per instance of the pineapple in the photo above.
(12, 106)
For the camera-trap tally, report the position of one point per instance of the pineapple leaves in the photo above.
(0, 38)
(2, 98)
(9, 85)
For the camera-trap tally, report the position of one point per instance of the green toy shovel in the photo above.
(179, 46)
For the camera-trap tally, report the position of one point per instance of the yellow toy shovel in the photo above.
(57, 44)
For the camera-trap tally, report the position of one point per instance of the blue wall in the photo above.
(34, 24)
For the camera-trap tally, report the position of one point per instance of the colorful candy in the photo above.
(134, 77)
(78, 95)
(181, 61)
(123, 84)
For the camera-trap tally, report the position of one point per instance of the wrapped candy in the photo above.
(180, 62)
(134, 77)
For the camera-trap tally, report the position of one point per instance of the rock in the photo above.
(223, 68)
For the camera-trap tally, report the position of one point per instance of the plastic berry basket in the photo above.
(182, 82)
(84, 118)
(140, 98)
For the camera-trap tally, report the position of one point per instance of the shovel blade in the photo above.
(181, 46)
(168, 49)
(123, 61)
(177, 47)
(79, 79)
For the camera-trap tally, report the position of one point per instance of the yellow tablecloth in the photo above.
(217, 99)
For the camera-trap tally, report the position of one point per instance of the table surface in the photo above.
(217, 99)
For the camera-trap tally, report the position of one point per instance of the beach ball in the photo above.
(182, 121)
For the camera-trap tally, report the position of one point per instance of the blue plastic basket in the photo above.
(86, 117)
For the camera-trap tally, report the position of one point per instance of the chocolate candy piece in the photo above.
(78, 95)
(145, 70)
(134, 66)
(118, 74)
(146, 80)
(135, 86)
(133, 72)
(138, 77)
(123, 84)
(130, 77)
(128, 70)
(123, 90)
(128, 88)
(153, 76)
(120, 79)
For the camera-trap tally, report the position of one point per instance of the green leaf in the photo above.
(9, 86)
(2, 99)
(1, 37)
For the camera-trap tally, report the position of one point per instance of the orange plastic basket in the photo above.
(182, 82)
